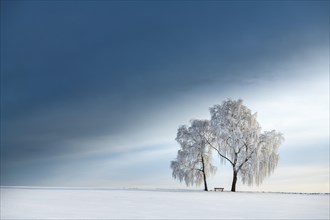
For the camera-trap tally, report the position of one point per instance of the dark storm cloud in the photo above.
(85, 69)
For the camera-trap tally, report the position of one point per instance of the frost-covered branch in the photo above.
(219, 153)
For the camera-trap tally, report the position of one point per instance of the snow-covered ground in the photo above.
(88, 203)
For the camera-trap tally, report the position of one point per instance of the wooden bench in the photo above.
(218, 189)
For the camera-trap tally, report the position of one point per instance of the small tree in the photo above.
(194, 160)
(238, 140)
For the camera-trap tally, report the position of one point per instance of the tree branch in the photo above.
(249, 157)
(220, 153)
(246, 159)
(227, 141)
(244, 145)
(199, 170)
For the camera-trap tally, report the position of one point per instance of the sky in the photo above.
(93, 92)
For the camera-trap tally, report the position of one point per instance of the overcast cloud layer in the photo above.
(92, 92)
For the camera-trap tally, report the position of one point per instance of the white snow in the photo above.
(93, 203)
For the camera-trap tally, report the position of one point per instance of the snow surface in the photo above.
(94, 203)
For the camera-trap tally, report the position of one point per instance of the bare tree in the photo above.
(194, 160)
(239, 141)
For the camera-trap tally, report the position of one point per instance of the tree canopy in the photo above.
(235, 134)
(194, 160)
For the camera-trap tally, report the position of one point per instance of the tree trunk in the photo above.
(204, 175)
(205, 184)
(233, 185)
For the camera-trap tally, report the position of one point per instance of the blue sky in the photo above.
(92, 92)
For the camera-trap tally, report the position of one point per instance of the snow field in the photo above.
(70, 203)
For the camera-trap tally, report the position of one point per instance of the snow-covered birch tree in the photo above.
(194, 160)
(239, 141)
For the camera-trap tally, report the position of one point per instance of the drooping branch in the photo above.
(220, 154)
(251, 154)
(246, 159)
